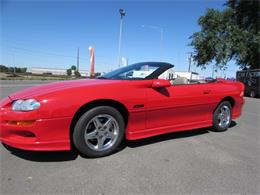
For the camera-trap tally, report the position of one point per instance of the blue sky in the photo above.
(47, 33)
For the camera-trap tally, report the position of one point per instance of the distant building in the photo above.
(188, 75)
(55, 71)
(170, 74)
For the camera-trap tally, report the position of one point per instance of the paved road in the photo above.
(197, 162)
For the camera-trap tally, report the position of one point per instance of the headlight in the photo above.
(25, 105)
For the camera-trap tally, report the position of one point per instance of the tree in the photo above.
(17, 69)
(11, 69)
(77, 73)
(229, 34)
(73, 67)
(3, 68)
(23, 70)
(69, 72)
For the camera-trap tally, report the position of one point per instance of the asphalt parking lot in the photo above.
(194, 162)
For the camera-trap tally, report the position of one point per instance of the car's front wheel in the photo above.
(99, 131)
(222, 116)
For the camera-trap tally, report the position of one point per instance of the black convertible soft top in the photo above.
(161, 67)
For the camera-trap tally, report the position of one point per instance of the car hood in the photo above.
(58, 86)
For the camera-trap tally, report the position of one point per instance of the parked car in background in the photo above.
(251, 80)
(95, 115)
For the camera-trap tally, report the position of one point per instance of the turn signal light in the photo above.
(21, 123)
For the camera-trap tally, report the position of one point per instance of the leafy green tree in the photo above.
(3, 68)
(69, 72)
(23, 70)
(17, 69)
(229, 34)
(77, 73)
(11, 69)
(97, 74)
(73, 67)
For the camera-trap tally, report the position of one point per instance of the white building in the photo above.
(170, 74)
(188, 75)
(55, 71)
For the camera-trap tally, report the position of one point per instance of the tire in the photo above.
(99, 132)
(222, 122)
(252, 94)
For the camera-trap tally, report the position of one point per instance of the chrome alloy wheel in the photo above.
(224, 116)
(101, 132)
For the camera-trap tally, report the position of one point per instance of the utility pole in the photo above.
(213, 70)
(122, 14)
(78, 60)
(14, 62)
(190, 61)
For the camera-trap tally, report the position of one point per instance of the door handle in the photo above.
(206, 91)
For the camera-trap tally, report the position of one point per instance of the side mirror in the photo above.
(160, 83)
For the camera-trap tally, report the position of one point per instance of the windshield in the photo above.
(139, 71)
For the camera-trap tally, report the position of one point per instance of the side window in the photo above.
(143, 72)
(139, 72)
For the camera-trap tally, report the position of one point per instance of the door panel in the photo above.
(179, 104)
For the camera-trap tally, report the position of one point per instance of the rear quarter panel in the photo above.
(233, 89)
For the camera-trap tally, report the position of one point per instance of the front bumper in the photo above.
(42, 135)
(38, 135)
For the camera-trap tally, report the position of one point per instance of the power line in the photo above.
(26, 51)
(43, 52)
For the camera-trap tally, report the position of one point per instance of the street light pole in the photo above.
(161, 45)
(160, 30)
(122, 14)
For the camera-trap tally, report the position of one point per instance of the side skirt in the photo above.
(133, 135)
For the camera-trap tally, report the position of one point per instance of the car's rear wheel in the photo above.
(99, 131)
(222, 116)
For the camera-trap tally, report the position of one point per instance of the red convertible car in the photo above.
(132, 102)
